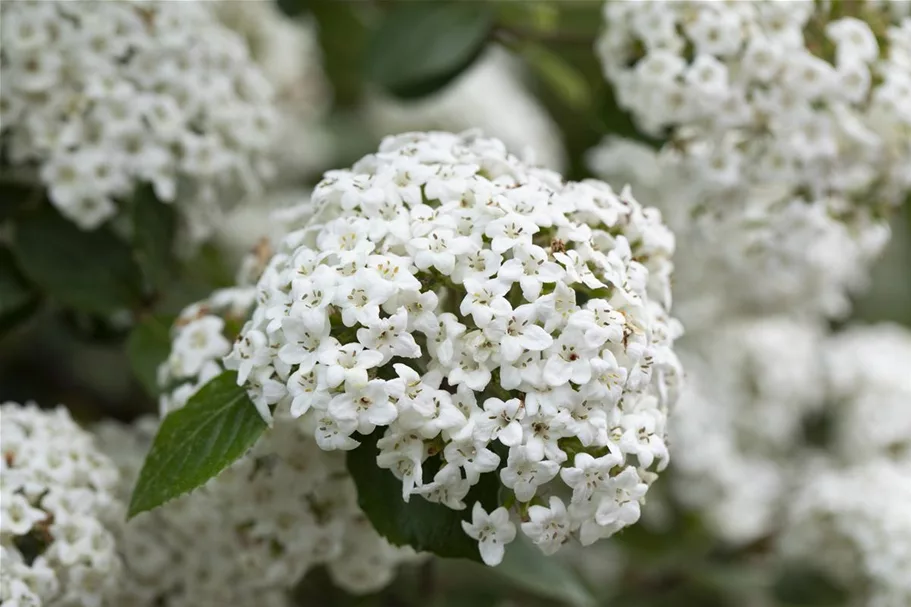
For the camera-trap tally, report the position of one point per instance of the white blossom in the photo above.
(738, 431)
(459, 302)
(493, 531)
(786, 143)
(58, 507)
(853, 524)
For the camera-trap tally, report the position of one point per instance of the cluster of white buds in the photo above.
(784, 114)
(739, 428)
(103, 96)
(57, 503)
(482, 313)
(855, 525)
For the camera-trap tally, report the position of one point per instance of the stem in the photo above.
(512, 35)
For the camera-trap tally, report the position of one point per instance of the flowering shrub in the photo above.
(469, 305)
(460, 351)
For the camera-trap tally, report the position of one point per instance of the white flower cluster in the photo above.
(252, 533)
(793, 119)
(870, 389)
(482, 313)
(287, 51)
(765, 253)
(202, 335)
(856, 525)
(491, 96)
(103, 96)
(56, 504)
(738, 429)
(818, 97)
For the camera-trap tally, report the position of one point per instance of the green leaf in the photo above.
(529, 569)
(342, 36)
(798, 584)
(423, 525)
(292, 8)
(215, 428)
(421, 46)
(18, 299)
(148, 346)
(91, 271)
(154, 227)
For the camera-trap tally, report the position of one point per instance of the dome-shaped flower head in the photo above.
(484, 317)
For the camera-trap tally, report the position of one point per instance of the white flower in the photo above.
(517, 333)
(852, 524)
(306, 392)
(472, 456)
(305, 342)
(484, 301)
(589, 475)
(389, 337)
(509, 231)
(620, 503)
(524, 474)
(403, 454)
(493, 531)
(500, 421)
(549, 528)
(854, 40)
(567, 360)
(249, 352)
(531, 269)
(439, 250)
(348, 364)
(368, 405)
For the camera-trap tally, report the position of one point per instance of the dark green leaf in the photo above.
(292, 8)
(154, 227)
(18, 299)
(91, 271)
(421, 46)
(797, 584)
(342, 37)
(421, 524)
(215, 428)
(147, 347)
(529, 569)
